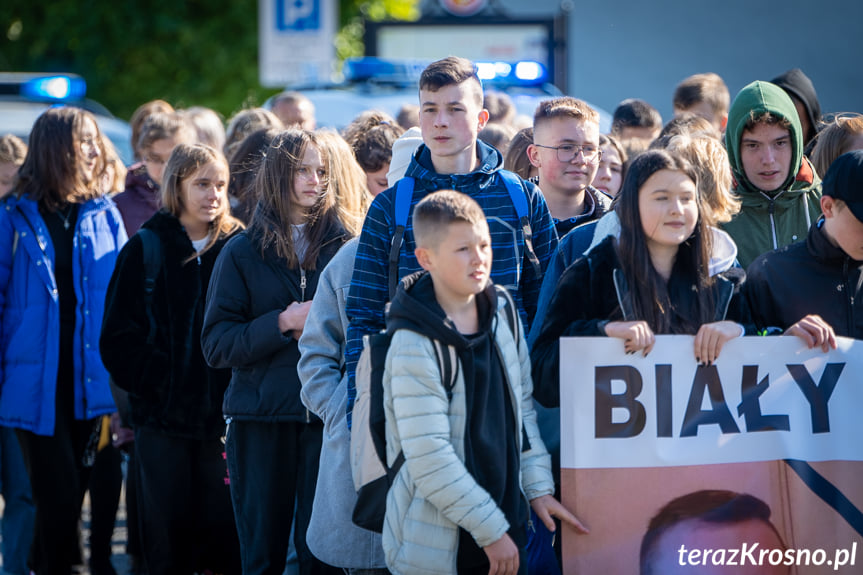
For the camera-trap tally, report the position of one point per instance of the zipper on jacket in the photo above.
(302, 285)
(770, 210)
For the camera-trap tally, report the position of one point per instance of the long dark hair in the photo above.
(685, 302)
(50, 175)
(271, 223)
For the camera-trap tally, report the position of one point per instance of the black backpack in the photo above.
(152, 264)
(371, 474)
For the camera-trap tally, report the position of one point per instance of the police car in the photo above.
(24, 96)
(387, 85)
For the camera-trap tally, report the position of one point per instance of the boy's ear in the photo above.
(828, 206)
(724, 122)
(483, 119)
(533, 156)
(424, 258)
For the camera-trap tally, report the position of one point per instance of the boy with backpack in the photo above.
(522, 231)
(471, 450)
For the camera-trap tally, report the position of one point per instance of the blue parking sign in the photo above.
(298, 15)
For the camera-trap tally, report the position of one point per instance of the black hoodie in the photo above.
(495, 464)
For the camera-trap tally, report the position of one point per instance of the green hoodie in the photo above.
(768, 221)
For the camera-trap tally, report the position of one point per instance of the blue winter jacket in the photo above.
(30, 312)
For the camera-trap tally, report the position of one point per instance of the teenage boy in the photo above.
(472, 454)
(811, 288)
(566, 153)
(705, 95)
(450, 157)
(635, 119)
(778, 188)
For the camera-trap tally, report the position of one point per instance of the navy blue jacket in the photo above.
(511, 268)
(30, 312)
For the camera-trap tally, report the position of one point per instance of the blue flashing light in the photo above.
(380, 69)
(525, 73)
(529, 71)
(58, 88)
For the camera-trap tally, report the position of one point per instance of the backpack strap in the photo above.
(519, 200)
(447, 359)
(510, 311)
(152, 263)
(404, 194)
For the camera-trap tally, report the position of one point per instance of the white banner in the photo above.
(766, 398)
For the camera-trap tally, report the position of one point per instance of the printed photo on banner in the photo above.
(749, 465)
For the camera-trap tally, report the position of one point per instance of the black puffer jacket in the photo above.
(241, 327)
(590, 292)
(809, 277)
(170, 385)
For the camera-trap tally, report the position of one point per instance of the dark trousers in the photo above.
(187, 524)
(57, 478)
(271, 466)
(106, 483)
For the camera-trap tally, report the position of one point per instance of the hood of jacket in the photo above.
(759, 97)
(415, 307)
(489, 161)
(795, 82)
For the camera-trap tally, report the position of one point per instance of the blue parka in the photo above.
(30, 312)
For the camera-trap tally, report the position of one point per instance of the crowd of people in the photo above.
(203, 312)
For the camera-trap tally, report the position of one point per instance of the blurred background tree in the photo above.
(188, 52)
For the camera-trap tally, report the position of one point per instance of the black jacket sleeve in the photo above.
(133, 363)
(571, 312)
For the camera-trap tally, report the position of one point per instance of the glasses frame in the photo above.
(579, 149)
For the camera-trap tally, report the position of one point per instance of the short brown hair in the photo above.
(702, 88)
(437, 211)
(160, 126)
(450, 71)
(140, 115)
(564, 107)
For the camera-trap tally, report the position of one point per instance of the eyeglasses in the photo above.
(567, 152)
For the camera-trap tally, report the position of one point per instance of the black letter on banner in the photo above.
(817, 395)
(750, 408)
(605, 401)
(664, 407)
(707, 376)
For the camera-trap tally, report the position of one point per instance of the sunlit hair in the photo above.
(653, 300)
(271, 223)
(346, 180)
(835, 139)
(451, 71)
(708, 156)
(371, 136)
(244, 165)
(140, 115)
(185, 161)
(564, 107)
(709, 88)
(170, 126)
(208, 125)
(50, 174)
(13, 150)
(244, 123)
(711, 506)
(685, 123)
(114, 168)
(433, 215)
(516, 159)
